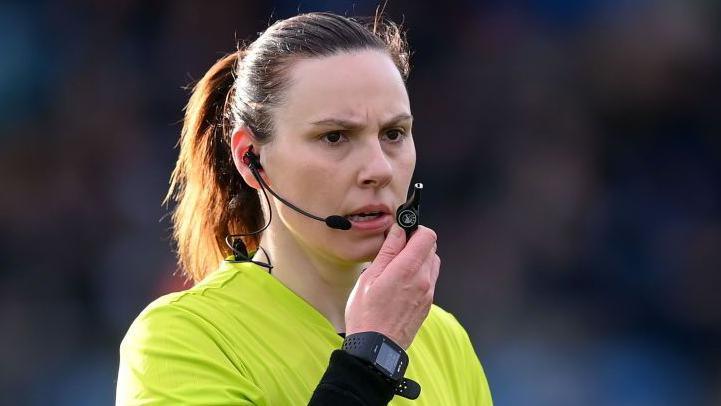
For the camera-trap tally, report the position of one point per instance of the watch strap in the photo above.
(369, 347)
(408, 388)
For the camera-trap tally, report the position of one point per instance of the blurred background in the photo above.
(571, 151)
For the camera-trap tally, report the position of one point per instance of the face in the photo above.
(342, 145)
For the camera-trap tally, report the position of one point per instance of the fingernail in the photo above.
(396, 230)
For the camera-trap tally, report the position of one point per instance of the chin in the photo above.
(359, 252)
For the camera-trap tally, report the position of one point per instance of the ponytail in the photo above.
(212, 200)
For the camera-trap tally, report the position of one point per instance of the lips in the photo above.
(368, 212)
(364, 216)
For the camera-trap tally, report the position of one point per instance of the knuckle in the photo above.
(425, 285)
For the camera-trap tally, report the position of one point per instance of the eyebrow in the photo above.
(349, 124)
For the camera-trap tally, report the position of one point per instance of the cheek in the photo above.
(406, 164)
(294, 173)
(312, 185)
(410, 162)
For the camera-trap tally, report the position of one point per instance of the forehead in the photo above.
(362, 85)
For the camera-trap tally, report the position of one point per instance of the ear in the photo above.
(240, 143)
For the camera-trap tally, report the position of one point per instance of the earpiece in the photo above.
(251, 160)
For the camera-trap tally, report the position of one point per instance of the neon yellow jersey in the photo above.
(241, 337)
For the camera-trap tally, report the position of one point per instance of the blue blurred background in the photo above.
(571, 151)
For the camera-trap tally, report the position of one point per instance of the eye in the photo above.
(395, 135)
(333, 138)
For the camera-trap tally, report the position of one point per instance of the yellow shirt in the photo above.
(241, 337)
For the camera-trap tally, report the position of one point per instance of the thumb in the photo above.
(394, 243)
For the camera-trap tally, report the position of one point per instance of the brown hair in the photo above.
(212, 200)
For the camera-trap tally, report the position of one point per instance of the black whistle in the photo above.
(408, 214)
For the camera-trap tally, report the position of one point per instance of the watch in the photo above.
(386, 357)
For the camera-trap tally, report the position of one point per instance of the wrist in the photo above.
(379, 351)
(385, 357)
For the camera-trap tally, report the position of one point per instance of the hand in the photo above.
(394, 294)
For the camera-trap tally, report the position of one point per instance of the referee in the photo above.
(309, 122)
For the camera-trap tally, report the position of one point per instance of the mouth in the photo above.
(360, 217)
(367, 213)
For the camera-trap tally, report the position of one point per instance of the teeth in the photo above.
(364, 216)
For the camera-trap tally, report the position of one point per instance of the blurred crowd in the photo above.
(571, 152)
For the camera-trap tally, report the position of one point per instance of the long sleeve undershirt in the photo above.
(350, 381)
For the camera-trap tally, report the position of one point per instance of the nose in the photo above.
(376, 169)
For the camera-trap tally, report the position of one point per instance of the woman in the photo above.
(315, 109)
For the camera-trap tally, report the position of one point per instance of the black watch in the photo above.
(386, 357)
(380, 351)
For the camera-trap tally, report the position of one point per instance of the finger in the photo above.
(430, 273)
(417, 249)
(435, 269)
(394, 243)
(415, 270)
(425, 274)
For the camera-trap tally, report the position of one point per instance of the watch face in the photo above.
(388, 358)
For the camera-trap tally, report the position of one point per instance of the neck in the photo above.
(321, 281)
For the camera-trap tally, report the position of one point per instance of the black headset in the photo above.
(335, 221)
(236, 244)
(407, 215)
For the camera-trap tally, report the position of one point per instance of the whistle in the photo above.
(408, 214)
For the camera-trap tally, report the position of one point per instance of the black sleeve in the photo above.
(350, 381)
